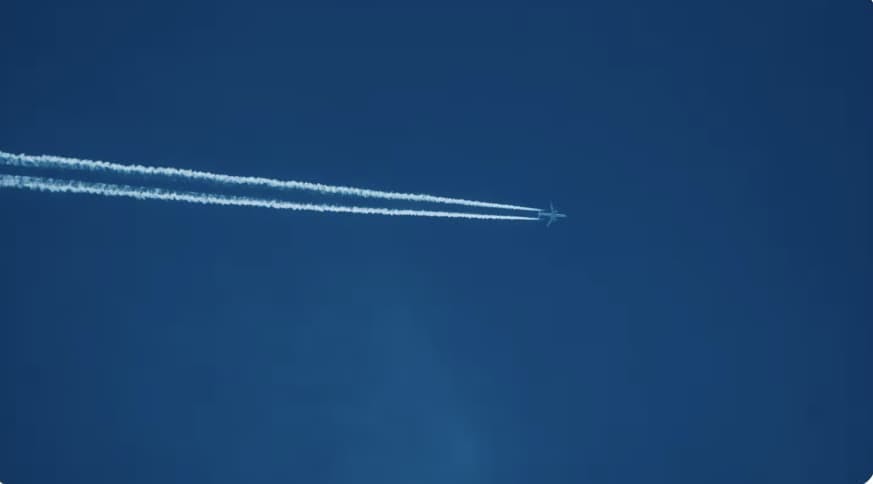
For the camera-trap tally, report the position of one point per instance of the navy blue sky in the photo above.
(704, 315)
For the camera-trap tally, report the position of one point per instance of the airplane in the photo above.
(552, 215)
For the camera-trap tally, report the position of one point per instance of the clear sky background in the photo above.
(704, 315)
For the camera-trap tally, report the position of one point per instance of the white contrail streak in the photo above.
(48, 161)
(142, 193)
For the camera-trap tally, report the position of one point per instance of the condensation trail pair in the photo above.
(46, 161)
(143, 193)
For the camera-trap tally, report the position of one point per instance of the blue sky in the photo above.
(704, 315)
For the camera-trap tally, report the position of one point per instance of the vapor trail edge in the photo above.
(48, 161)
(143, 193)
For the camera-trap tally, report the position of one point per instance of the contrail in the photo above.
(143, 193)
(48, 161)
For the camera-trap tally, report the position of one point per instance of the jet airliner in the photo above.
(551, 215)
